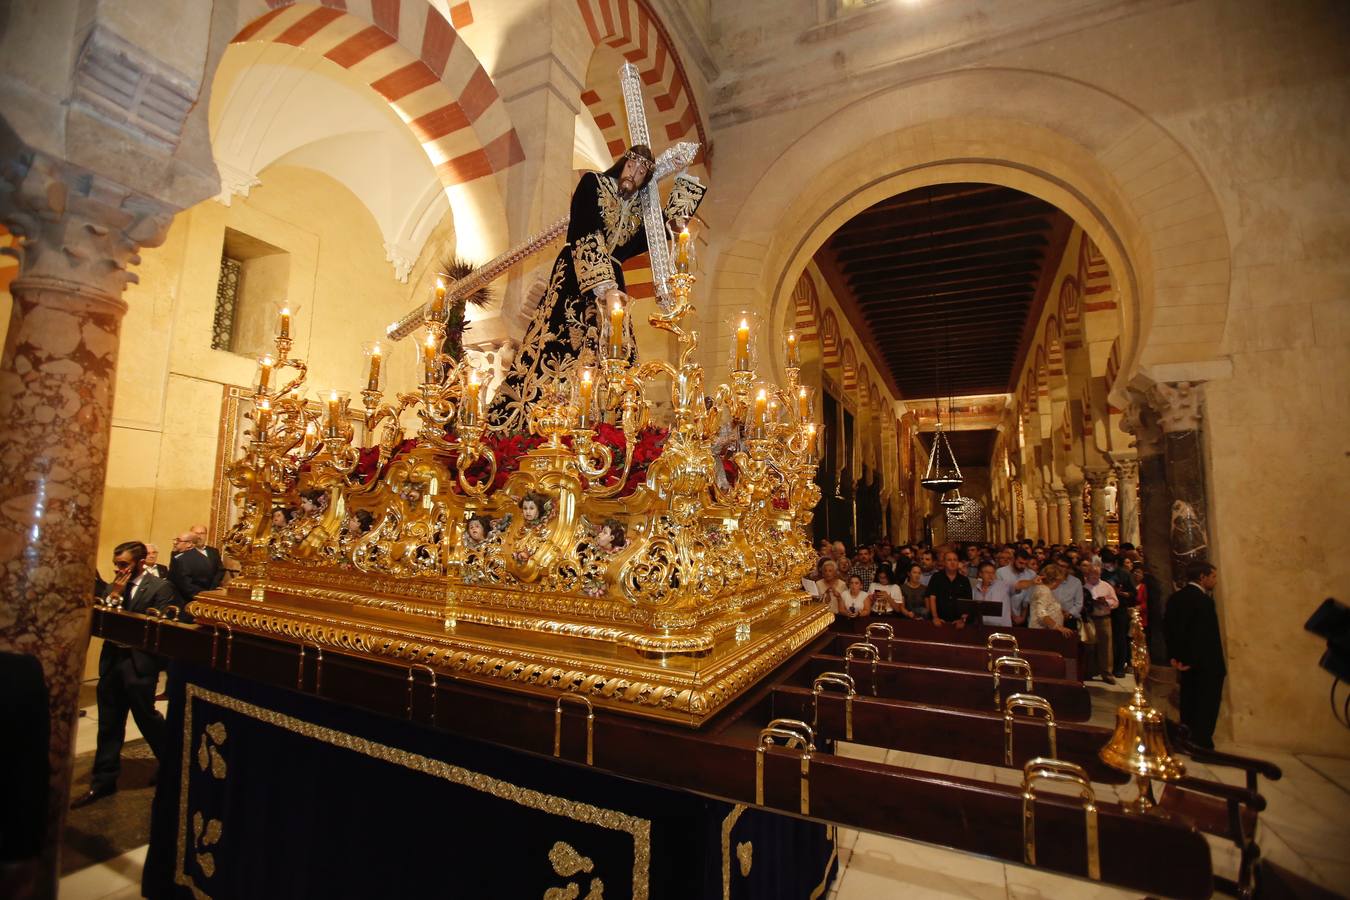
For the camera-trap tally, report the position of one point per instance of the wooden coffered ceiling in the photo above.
(972, 447)
(954, 269)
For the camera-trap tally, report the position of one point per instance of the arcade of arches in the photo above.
(1117, 232)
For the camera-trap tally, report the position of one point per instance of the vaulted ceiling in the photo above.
(954, 270)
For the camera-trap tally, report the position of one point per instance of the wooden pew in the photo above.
(1027, 638)
(950, 656)
(948, 687)
(975, 736)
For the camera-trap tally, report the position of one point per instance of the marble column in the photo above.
(1097, 478)
(1063, 527)
(1042, 525)
(1077, 531)
(1127, 500)
(1178, 408)
(78, 233)
(1155, 508)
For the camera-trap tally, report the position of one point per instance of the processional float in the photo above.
(608, 560)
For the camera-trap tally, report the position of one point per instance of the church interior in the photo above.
(1054, 276)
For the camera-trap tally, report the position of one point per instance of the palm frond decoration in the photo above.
(452, 269)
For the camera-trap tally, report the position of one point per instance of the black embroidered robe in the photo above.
(566, 328)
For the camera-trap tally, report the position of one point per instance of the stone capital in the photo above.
(1140, 420)
(1127, 469)
(75, 228)
(1097, 476)
(1177, 405)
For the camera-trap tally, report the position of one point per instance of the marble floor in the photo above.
(1308, 817)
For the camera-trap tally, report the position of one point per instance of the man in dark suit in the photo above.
(126, 677)
(192, 570)
(212, 554)
(152, 563)
(1191, 624)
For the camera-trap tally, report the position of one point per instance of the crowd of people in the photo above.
(1082, 591)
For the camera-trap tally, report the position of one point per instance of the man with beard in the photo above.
(126, 676)
(570, 326)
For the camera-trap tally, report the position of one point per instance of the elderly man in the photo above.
(126, 677)
(191, 570)
(1104, 600)
(152, 562)
(211, 553)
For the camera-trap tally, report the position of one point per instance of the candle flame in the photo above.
(762, 395)
(745, 324)
(332, 397)
(473, 376)
(267, 362)
(264, 403)
(618, 307)
(440, 284)
(286, 311)
(310, 429)
(586, 376)
(376, 350)
(801, 392)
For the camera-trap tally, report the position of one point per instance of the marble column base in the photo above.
(56, 383)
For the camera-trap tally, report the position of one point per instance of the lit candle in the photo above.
(285, 323)
(334, 414)
(761, 409)
(616, 331)
(262, 415)
(430, 363)
(471, 398)
(438, 300)
(743, 346)
(585, 391)
(811, 441)
(793, 358)
(265, 372)
(682, 250)
(373, 383)
(311, 435)
(803, 404)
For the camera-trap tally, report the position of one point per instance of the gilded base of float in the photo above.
(683, 679)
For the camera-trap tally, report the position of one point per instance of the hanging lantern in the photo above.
(943, 473)
(952, 500)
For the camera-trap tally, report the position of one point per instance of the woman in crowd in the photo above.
(914, 593)
(855, 601)
(1045, 609)
(886, 597)
(830, 587)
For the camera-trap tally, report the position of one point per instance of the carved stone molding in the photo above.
(77, 228)
(237, 182)
(1139, 419)
(1177, 405)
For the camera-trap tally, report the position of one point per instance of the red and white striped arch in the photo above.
(806, 308)
(848, 360)
(829, 339)
(411, 55)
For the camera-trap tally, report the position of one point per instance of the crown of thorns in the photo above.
(637, 155)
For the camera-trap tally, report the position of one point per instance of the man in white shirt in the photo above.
(1019, 577)
(1103, 601)
(990, 587)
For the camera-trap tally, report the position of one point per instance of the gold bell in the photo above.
(1139, 744)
